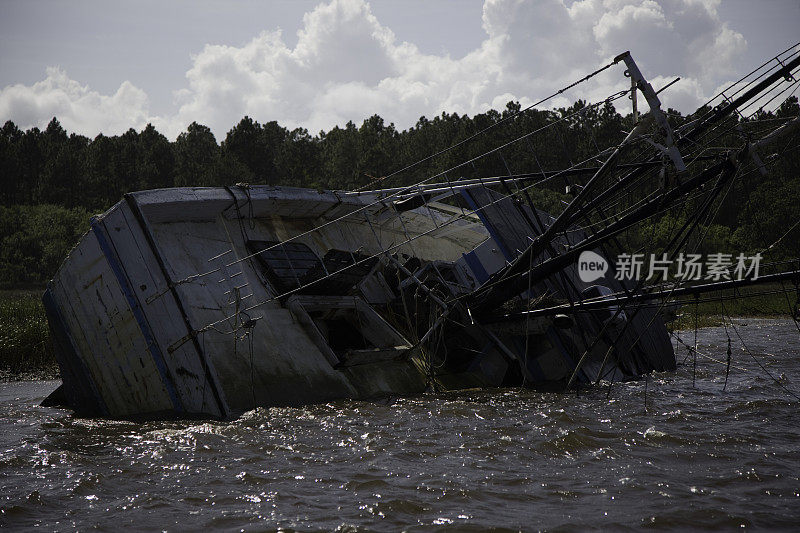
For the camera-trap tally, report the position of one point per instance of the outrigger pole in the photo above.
(504, 286)
(619, 298)
(514, 278)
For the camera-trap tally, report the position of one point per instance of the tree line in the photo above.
(52, 180)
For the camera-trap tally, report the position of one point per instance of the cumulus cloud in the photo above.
(348, 65)
(78, 108)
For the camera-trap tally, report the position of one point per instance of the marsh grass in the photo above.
(744, 303)
(26, 348)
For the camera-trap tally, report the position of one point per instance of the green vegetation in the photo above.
(51, 182)
(747, 301)
(25, 345)
(34, 239)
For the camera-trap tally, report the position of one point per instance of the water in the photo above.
(696, 458)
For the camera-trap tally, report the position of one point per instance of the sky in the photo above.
(104, 67)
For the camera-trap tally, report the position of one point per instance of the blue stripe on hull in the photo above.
(476, 266)
(552, 334)
(116, 267)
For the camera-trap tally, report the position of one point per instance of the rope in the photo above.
(767, 372)
(381, 201)
(728, 353)
(409, 238)
(491, 126)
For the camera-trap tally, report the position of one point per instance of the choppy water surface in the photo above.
(697, 458)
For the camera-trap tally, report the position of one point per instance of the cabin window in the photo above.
(347, 330)
(293, 265)
(284, 264)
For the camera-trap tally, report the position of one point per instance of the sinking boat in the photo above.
(212, 301)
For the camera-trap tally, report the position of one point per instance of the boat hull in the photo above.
(197, 302)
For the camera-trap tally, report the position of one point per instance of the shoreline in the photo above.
(48, 374)
(686, 323)
(27, 354)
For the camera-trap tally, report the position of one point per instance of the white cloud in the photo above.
(78, 108)
(347, 65)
